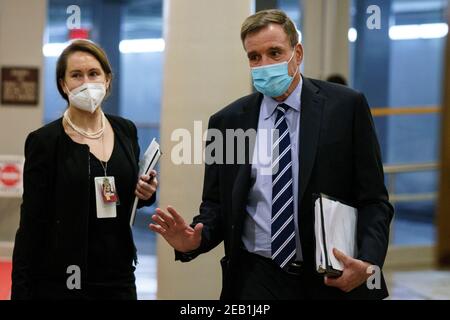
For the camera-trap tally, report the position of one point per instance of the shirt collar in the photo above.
(269, 104)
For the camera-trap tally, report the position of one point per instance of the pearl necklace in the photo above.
(89, 135)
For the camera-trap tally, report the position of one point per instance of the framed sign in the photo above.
(20, 86)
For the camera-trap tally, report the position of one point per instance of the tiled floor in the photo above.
(419, 285)
(146, 280)
(403, 285)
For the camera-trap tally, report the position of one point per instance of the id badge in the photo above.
(105, 197)
(109, 194)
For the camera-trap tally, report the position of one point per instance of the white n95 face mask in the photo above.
(88, 96)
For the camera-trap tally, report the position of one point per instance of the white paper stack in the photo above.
(335, 227)
(147, 164)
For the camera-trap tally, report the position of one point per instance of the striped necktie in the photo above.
(282, 224)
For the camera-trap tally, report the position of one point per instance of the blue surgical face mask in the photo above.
(273, 80)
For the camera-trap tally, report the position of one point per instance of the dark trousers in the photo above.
(259, 278)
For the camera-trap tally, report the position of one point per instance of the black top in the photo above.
(54, 232)
(110, 248)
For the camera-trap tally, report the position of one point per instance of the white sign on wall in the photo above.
(11, 176)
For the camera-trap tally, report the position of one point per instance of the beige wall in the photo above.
(205, 69)
(325, 37)
(22, 25)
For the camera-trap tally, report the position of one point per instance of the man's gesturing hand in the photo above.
(174, 229)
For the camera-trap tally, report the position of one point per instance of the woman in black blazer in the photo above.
(74, 240)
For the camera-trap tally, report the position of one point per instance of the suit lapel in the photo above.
(246, 119)
(310, 123)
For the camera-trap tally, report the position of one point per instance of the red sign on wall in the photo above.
(11, 172)
(78, 34)
(10, 175)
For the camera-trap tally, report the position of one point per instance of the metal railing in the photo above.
(414, 110)
(392, 170)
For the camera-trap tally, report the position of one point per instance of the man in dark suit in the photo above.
(326, 143)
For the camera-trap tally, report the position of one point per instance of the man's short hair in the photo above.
(263, 18)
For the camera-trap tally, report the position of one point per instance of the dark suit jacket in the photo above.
(339, 156)
(54, 213)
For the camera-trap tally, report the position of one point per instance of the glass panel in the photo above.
(413, 52)
(142, 51)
